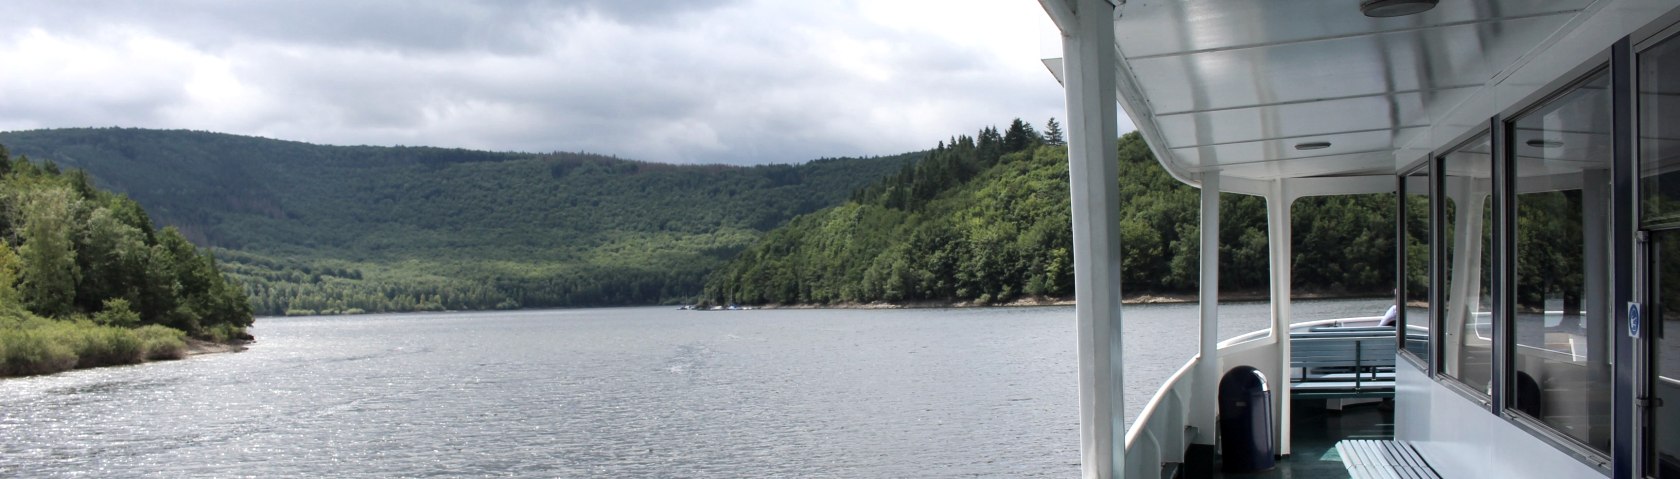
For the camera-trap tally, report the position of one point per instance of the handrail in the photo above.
(1256, 334)
(1155, 402)
(1152, 440)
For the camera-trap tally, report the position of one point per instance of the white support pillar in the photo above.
(1465, 281)
(1278, 226)
(1595, 241)
(1203, 403)
(1088, 56)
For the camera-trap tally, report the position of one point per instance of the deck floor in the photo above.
(1316, 431)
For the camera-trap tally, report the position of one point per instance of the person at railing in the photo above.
(1392, 317)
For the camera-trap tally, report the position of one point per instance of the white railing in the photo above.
(1159, 435)
(1263, 333)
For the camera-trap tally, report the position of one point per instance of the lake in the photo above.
(621, 392)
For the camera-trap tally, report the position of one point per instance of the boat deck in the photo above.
(1316, 431)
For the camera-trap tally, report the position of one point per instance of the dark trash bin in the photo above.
(1245, 421)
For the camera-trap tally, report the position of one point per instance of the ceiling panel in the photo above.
(1298, 120)
(1149, 28)
(1430, 59)
(1352, 145)
(1337, 165)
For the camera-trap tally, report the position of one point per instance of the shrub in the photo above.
(102, 345)
(222, 333)
(30, 352)
(117, 313)
(161, 342)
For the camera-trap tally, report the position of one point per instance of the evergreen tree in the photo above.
(1053, 133)
(1019, 137)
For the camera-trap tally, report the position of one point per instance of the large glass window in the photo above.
(1415, 310)
(1659, 159)
(1659, 134)
(1561, 325)
(1467, 264)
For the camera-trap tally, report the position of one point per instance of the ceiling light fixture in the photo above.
(1395, 8)
(1544, 143)
(1312, 145)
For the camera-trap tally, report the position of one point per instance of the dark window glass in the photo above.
(1415, 312)
(1561, 325)
(1659, 160)
(1659, 139)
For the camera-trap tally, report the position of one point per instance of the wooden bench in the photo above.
(1383, 459)
(1342, 362)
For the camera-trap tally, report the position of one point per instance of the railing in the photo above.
(1158, 436)
(1263, 333)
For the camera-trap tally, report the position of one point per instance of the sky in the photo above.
(692, 81)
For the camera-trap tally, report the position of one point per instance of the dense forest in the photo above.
(985, 219)
(86, 280)
(324, 229)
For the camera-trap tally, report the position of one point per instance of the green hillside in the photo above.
(342, 228)
(986, 219)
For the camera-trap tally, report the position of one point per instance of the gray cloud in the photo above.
(695, 81)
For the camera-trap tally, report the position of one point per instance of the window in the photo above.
(1561, 325)
(1659, 142)
(1415, 312)
(1467, 264)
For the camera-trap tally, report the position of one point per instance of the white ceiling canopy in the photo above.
(1234, 87)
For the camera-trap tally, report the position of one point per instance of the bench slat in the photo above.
(1365, 458)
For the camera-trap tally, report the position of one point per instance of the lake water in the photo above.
(627, 392)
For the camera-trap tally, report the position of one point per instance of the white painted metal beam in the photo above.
(1278, 201)
(1089, 62)
(1203, 405)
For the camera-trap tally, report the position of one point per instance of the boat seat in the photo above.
(1343, 362)
(1383, 459)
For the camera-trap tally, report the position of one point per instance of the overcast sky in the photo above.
(695, 81)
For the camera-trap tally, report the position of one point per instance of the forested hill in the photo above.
(986, 219)
(344, 228)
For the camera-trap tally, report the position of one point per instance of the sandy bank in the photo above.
(198, 346)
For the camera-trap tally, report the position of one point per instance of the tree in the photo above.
(1053, 133)
(49, 268)
(9, 299)
(1019, 136)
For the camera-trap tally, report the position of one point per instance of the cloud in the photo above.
(687, 82)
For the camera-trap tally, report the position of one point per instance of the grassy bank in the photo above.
(31, 345)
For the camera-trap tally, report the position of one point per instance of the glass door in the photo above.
(1662, 379)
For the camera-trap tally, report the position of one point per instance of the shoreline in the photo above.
(1144, 298)
(196, 347)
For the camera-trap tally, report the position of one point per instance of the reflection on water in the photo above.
(604, 393)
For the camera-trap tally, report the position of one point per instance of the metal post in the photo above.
(1204, 404)
(1278, 229)
(1624, 220)
(1088, 56)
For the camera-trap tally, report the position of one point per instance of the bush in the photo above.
(222, 333)
(117, 313)
(161, 342)
(100, 345)
(30, 352)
